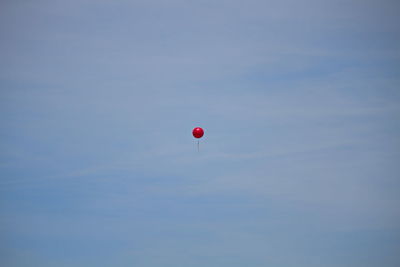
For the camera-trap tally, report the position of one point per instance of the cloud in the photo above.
(299, 101)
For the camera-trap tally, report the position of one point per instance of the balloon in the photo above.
(198, 132)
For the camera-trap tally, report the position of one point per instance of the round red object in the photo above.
(198, 132)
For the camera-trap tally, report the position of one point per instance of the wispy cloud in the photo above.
(299, 101)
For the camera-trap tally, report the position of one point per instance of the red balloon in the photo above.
(198, 132)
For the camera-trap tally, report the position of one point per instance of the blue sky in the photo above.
(298, 166)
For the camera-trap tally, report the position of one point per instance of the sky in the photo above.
(299, 164)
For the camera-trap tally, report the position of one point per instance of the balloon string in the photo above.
(198, 146)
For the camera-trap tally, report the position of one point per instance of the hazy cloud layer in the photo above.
(298, 166)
